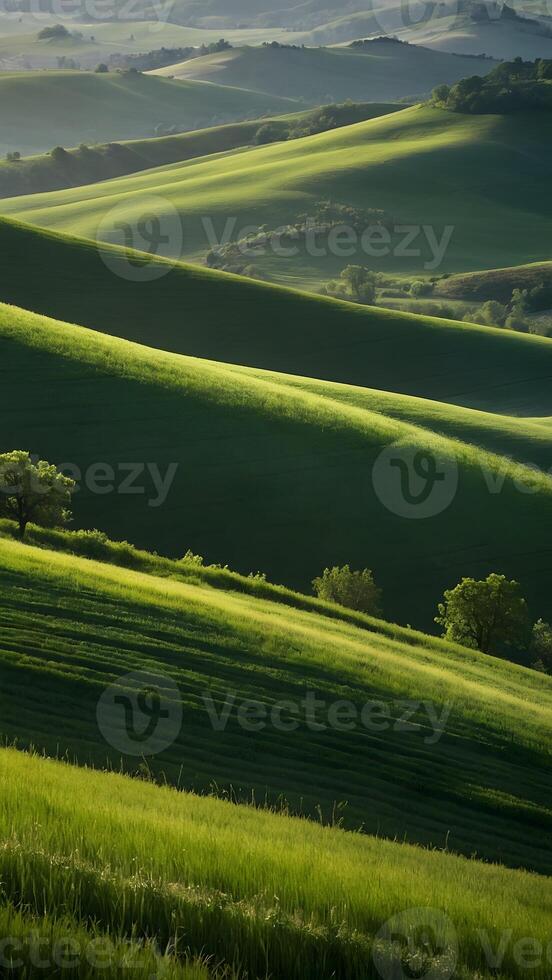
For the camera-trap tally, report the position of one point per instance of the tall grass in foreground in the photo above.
(269, 895)
(45, 945)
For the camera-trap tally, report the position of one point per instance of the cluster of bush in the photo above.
(236, 256)
(513, 86)
(514, 315)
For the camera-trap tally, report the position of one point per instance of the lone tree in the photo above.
(485, 615)
(356, 590)
(33, 491)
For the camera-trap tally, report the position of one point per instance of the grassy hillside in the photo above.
(249, 888)
(101, 162)
(277, 329)
(447, 157)
(39, 110)
(380, 71)
(270, 474)
(76, 627)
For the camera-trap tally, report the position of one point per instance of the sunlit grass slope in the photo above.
(210, 315)
(88, 164)
(71, 627)
(270, 475)
(262, 891)
(485, 177)
(381, 70)
(40, 110)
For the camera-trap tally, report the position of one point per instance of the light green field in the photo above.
(278, 474)
(423, 166)
(40, 110)
(246, 887)
(472, 775)
(101, 162)
(384, 71)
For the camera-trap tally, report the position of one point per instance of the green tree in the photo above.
(485, 615)
(356, 590)
(541, 646)
(33, 491)
(360, 282)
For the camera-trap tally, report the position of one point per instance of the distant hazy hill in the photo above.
(380, 70)
(39, 110)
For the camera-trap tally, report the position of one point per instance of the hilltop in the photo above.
(381, 70)
(372, 167)
(40, 110)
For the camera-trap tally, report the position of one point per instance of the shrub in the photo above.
(355, 590)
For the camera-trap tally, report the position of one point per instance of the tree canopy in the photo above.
(33, 491)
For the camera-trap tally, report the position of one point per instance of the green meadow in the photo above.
(470, 774)
(380, 71)
(234, 742)
(41, 110)
(244, 888)
(86, 164)
(264, 326)
(308, 454)
(423, 166)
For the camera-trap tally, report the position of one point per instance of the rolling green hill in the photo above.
(279, 474)
(268, 327)
(248, 888)
(88, 164)
(380, 71)
(424, 167)
(77, 626)
(39, 110)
